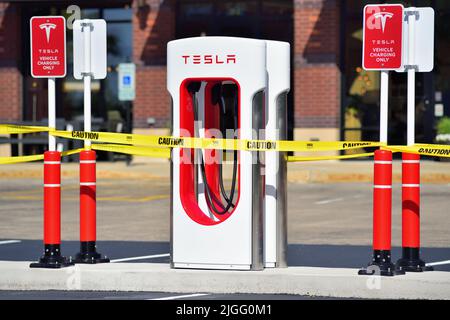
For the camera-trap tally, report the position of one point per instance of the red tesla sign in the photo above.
(48, 47)
(382, 37)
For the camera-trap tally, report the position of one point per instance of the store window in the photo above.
(442, 61)
(260, 19)
(263, 19)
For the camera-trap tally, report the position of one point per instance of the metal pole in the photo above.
(51, 113)
(129, 126)
(384, 100)
(410, 260)
(88, 191)
(411, 81)
(87, 81)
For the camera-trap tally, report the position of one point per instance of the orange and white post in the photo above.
(381, 263)
(88, 208)
(52, 257)
(410, 260)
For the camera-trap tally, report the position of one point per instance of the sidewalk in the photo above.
(298, 172)
(323, 282)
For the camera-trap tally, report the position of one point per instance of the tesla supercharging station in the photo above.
(275, 215)
(213, 79)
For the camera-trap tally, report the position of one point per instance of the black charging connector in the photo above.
(220, 93)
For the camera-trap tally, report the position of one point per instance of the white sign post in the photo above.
(411, 99)
(86, 28)
(384, 106)
(418, 31)
(48, 59)
(400, 39)
(89, 60)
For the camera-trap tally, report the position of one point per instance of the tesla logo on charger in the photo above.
(48, 28)
(209, 59)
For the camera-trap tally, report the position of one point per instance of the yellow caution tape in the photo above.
(37, 157)
(349, 156)
(19, 159)
(423, 149)
(133, 150)
(17, 129)
(153, 146)
(213, 143)
(71, 152)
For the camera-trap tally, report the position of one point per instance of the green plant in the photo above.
(443, 126)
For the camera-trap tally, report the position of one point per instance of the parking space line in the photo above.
(182, 297)
(328, 201)
(142, 257)
(439, 263)
(9, 241)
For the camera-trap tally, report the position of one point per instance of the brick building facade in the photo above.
(316, 72)
(326, 51)
(10, 63)
(315, 50)
(153, 27)
(315, 55)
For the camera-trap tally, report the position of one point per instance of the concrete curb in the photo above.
(325, 282)
(298, 172)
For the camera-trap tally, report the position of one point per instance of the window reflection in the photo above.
(237, 8)
(196, 9)
(268, 19)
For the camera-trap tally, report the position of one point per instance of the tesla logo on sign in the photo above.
(383, 37)
(382, 16)
(48, 47)
(48, 28)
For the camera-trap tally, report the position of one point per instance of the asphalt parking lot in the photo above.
(133, 205)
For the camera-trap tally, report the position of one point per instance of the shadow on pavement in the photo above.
(326, 256)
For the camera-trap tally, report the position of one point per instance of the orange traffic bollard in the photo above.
(88, 225)
(52, 214)
(410, 260)
(382, 217)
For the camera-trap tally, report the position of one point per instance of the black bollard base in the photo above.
(381, 265)
(88, 254)
(52, 258)
(411, 262)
